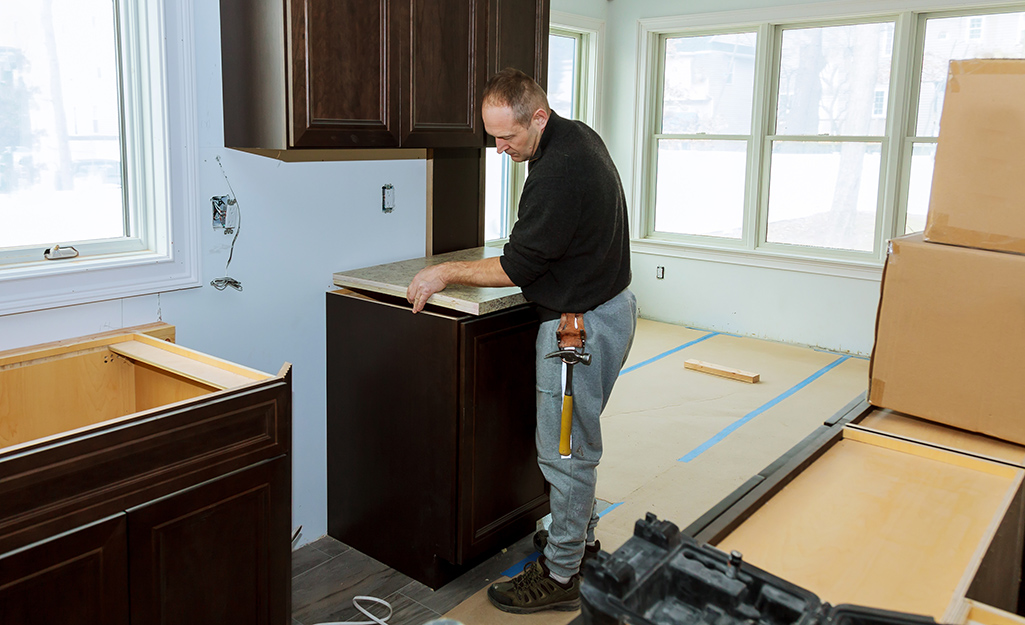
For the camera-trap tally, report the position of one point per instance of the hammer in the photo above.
(571, 351)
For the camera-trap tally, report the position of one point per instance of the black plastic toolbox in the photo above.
(663, 577)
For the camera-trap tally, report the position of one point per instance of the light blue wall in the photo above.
(300, 223)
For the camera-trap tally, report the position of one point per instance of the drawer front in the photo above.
(63, 483)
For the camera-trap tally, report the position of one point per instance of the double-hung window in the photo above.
(96, 133)
(808, 140)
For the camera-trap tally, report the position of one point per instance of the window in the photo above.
(86, 151)
(824, 158)
(939, 47)
(705, 133)
(783, 140)
(574, 64)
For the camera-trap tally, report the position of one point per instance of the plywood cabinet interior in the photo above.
(128, 457)
(880, 509)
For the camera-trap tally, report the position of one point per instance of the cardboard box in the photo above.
(978, 189)
(949, 337)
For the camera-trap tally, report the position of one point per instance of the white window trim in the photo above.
(860, 266)
(593, 62)
(165, 86)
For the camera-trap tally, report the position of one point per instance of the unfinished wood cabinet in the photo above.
(125, 457)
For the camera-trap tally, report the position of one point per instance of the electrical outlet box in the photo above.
(387, 198)
(220, 207)
(660, 272)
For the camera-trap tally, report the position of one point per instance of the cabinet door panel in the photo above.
(77, 578)
(344, 63)
(444, 73)
(502, 490)
(216, 553)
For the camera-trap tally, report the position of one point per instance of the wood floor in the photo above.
(327, 574)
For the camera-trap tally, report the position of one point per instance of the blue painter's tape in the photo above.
(609, 509)
(517, 568)
(826, 351)
(670, 352)
(729, 429)
(736, 336)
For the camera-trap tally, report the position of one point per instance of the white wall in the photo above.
(300, 223)
(824, 311)
(596, 9)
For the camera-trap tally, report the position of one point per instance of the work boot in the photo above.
(590, 551)
(534, 590)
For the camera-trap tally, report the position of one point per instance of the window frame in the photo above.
(752, 250)
(156, 60)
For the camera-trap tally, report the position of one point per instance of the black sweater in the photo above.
(569, 250)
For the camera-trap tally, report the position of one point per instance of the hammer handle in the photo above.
(566, 428)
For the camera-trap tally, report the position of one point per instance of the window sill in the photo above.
(860, 270)
(83, 280)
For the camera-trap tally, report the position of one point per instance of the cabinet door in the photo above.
(344, 61)
(501, 489)
(216, 553)
(77, 578)
(443, 73)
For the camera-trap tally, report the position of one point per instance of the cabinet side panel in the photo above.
(253, 73)
(63, 394)
(391, 427)
(216, 553)
(502, 489)
(519, 38)
(78, 578)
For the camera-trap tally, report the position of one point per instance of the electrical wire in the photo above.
(374, 620)
(222, 283)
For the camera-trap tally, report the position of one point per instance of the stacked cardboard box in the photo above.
(950, 333)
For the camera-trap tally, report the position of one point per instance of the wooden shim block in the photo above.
(202, 372)
(726, 372)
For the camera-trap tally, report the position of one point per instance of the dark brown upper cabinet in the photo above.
(370, 74)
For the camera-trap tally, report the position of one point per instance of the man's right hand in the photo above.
(426, 283)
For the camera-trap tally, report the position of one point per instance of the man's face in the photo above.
(518, 141)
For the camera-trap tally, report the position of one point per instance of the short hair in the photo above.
(511, 87)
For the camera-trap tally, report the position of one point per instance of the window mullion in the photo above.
(653, 129)
(892, 217)
(763, 124)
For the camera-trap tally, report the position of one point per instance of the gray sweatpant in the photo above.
(610, 332)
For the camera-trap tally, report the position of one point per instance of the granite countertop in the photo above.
(393, 278)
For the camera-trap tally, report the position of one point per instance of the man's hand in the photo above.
(430, 280)
(426, 283)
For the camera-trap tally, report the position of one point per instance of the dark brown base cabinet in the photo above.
(177, 512)
(432, 465)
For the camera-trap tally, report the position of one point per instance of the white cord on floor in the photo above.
(373, 619)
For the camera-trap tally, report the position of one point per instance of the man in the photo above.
(569, 252)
